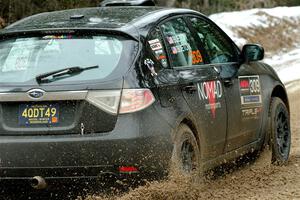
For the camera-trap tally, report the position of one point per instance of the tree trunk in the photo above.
(206, 4)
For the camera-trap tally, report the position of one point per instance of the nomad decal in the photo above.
(211, 91)
(250, 90)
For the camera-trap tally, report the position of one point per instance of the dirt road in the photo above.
(258, 180)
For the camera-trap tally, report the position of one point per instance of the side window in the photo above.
(218, 48)
(181, 44)
(155, 55)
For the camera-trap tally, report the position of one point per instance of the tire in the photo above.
(279, 130)
(186, 153)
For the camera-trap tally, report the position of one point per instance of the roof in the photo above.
(127, 2)
(111, 18)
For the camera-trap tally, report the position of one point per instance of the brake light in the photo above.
(106, 100)
(128, 169)
(132, 100)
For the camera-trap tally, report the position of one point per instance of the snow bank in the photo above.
(252, 18)
(286, 64)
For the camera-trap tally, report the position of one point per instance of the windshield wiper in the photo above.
(59, 74)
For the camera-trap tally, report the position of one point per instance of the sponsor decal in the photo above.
(154, 41)
(179, 39)
(174, 50)
(150, 64)
(159, 52)
(211, 91)
(170, 40)
(251, 113)
(196, 57)
(160, 55)
(155, 44)
(164, 62)
(250, 90)
(179, 43)
(57, 37)
(180, 48)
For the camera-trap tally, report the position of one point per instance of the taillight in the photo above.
(106, 100)
(132, 100)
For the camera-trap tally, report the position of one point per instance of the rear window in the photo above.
(22, 59)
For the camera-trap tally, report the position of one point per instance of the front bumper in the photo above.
(76, 156)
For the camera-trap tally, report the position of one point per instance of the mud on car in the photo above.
(132, 90)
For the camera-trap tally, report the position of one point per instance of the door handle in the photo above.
(228, 82)
(190, 88)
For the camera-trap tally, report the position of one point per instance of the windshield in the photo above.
(23, 59)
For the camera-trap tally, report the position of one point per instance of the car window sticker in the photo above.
(160, 55)
(155, 44)
(19, 56)
(158, 51)
(150, 64)
(179, 44)
(52, 46)
(197, 57)
(47, 37)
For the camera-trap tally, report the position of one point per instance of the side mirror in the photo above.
(252, 52)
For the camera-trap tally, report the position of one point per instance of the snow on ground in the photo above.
(254, 17)
(286, 63)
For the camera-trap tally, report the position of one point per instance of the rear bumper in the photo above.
(76, 156)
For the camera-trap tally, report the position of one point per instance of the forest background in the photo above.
(13, 10)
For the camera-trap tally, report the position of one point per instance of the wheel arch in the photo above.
(189, 122)
(280, 92)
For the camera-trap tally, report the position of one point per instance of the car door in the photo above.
(161, 78)
(242, 86)
(200, 85)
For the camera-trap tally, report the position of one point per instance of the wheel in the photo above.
(280, 134)
(186, 153)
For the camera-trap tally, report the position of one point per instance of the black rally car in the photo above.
(133, 89)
